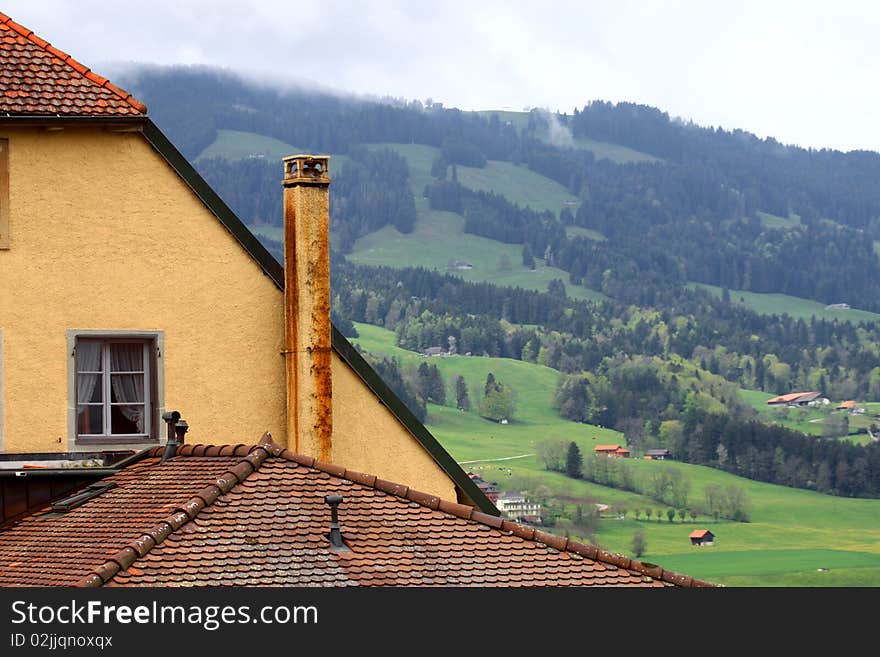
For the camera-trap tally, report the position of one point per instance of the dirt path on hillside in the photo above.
(505, 458)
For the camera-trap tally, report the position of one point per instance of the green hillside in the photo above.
(238, 145)
(517, 183)
(792, 534)
(776, 304)
(815, 421)
(439, 237)
(601, 149)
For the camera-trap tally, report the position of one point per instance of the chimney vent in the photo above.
(172, 418)
(180, 430)
(335, 535)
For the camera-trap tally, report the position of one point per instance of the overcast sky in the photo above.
(804, 72)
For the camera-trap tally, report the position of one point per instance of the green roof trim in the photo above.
(274, 270)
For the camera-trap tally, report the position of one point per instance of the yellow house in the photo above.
(128, 289)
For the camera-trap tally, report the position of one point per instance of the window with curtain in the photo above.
(113, 388)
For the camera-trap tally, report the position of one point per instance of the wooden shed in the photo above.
(702, 537)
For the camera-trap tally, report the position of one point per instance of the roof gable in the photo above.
(38, 79)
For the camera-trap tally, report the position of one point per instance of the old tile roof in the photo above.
(794, 396)
(38, 79)
(256, 515)
(700, 533)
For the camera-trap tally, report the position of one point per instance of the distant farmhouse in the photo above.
(702, 537)
(612, 450)
(658, 454)
(459, 265)
(799, 399)
(837, 306)
(850, 405)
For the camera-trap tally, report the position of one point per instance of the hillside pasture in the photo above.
(796, 307)
(439, 237)
(792, 533)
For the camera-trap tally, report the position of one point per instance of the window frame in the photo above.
(153, 342)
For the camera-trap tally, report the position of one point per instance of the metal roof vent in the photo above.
(335, 535)
(172, 418)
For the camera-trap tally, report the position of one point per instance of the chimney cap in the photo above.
(307, 169)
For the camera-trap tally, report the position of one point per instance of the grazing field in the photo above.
(614, 152)
(438, 238)
(775, 221)
(520, 185)
(517, 183)
(778, 304)
(589, 233)
(239, 145)
(792, 533)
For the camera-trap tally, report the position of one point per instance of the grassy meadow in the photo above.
(778, 304)
(438, 237)
(517, 183)
(795, 537)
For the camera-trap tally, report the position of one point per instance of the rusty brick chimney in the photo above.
(307, 346)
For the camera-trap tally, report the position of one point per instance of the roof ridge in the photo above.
(83, 70)
(138, 548)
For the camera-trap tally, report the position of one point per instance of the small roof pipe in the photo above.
(335, 535)
(171, 419)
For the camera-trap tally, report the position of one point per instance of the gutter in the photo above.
(75, 472)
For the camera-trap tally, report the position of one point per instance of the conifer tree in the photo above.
(574, 461)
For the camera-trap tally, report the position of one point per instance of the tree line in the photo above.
(663, 483)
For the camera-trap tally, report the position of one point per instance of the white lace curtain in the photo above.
(126, 378)
(128, 388)
(88, 359)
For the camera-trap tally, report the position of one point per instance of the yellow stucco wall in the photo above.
(368, 438)
(106, 236)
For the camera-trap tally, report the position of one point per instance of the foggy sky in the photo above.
(805, 72)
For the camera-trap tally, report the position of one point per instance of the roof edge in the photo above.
(465, 512)
(216, 205)
(184, 513)
(85, 71)
(420, 432)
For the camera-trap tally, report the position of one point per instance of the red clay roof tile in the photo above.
(269, 528)
(40, 79)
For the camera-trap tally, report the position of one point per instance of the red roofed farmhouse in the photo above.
(612, 450)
